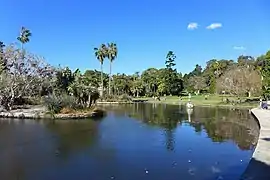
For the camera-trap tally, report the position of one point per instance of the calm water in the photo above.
(157, 142)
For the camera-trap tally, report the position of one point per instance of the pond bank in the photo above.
(206, 105)
(259, 166)
(40, 112)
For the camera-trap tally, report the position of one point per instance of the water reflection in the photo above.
(73, 136)
(26, 146)
(141, 141)
(220, 124)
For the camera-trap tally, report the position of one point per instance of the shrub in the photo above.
(115, 98)
(109, 98)
(69, 102)
(53, 103)
(125, 98)
(56, 103)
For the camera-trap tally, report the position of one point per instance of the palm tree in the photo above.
(2, 62)
(101, 54)
(111, 54)
(24, 36)
(2, 45)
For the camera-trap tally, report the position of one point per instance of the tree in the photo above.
(149, 78)
(2, 59)
(112, 54)
(198, 83)
(137, 85)
(93, 77)
(263, 63)
(101, 54)
(82, 90)
(2, 45)
(64, 77)
(240, 81)
(25, 77)
(197, 71)
(170, 60)
(24, 36)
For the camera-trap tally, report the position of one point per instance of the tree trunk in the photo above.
(110, 77)
(101, 79)
(89, 101)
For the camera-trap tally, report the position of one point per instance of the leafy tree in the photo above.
(197, 71)
(137, 85)
(64, 77)
(149, 78)
(263, 63)
(82, 89)
(93, 77)
(170, 60)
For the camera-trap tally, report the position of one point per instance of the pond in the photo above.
(140, 141)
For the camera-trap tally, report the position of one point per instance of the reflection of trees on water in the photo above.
(73, 135)
(219, 124)
(225, 124)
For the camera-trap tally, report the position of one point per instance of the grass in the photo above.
(212, 100)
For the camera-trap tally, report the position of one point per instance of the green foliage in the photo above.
(264, 67)
(117, 98)
(170, 60)
(55, 103)
(64, 77)
(24, 36)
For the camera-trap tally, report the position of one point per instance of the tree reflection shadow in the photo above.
(73, 135)
(219, 124)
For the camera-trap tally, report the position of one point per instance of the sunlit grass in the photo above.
(210, 100)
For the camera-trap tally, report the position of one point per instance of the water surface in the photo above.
(141, 141)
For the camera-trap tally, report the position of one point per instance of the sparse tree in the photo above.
(198, 83)
(240, 81)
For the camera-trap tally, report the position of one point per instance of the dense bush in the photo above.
(116, 98)
(125, 98)
(56, 103)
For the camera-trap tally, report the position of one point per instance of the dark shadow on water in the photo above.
(256, 171)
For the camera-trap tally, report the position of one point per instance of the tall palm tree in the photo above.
(101, 54)
(24, 36)
(2, 45)
(2, 62)
(112, 55)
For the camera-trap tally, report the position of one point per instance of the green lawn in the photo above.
(212, 100)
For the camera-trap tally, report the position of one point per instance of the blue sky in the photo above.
(66, 31)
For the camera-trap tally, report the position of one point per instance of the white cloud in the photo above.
(214, 26)
(192, 26)
(239, 48)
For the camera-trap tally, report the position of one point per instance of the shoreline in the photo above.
(184, 103)
(40, 112)
(259, 165)
(207, 105)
